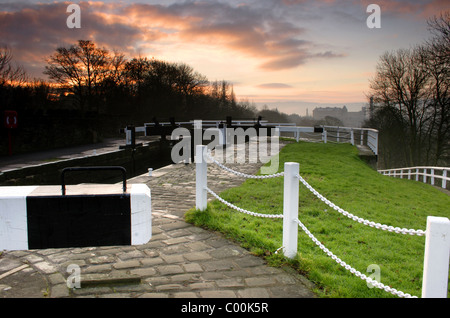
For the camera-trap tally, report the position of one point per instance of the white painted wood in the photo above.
(201, 171)
(13, 211)
(436, 259)
(141, 214)
(290, 209)
(13, 217)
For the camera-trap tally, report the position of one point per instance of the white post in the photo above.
(435, 267)
(201, 174)
(352, 137)
(376, 143)
(324, 135)
(290, 209)
(432, 176)
(444, 180)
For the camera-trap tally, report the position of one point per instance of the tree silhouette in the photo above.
(81, 68)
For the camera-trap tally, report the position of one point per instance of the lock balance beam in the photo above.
(39, 217)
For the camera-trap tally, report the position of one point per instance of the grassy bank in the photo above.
(340, 175)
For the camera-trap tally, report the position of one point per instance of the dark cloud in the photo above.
(34, 31)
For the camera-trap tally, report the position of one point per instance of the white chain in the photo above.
(358, 219)
(351, 269)
(243, 210)
(250, 176)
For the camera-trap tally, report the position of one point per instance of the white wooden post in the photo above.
(324, 135)
(201, 178)
(435, 267)
(352, 137)
(376, 143)
(444, 180)
(432, 176)
(290, 209)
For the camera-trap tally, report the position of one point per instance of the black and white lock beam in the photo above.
(39, 217)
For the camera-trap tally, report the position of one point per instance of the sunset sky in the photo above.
(289, 54)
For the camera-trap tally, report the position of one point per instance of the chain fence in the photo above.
(310, 235)
(231, 205)
(358, 219)
(351, 269)
(240, 174)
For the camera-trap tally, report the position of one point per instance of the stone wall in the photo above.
(135, 161)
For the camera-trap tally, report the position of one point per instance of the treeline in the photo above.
(411, 94)
(94, 91)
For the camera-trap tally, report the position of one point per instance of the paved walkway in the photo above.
(180, 261)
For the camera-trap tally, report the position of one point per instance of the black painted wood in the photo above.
(78, 221)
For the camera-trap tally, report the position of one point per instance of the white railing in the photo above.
(437, 243)
(363, 136)
(425, 173)
(297, 130)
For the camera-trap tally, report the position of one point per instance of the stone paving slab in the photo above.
(180, 261)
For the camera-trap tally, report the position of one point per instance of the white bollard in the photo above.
(444, 180)
(201, 178)
(290, 209)
(436, 260)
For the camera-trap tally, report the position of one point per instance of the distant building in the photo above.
(349, 119)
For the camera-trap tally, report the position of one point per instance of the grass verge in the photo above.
(337, 172)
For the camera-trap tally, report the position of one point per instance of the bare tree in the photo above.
(401, 82)
(135, 72)
(81, 68)
(415, 82)
(436, 56)
(10, 74)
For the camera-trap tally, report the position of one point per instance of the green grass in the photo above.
(337, 172)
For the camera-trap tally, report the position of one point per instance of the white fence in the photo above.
(425, 174)
(437, 244)
(363, 136)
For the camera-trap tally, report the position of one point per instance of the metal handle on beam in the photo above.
(122, 169)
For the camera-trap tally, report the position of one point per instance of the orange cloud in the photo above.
(253, 32)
